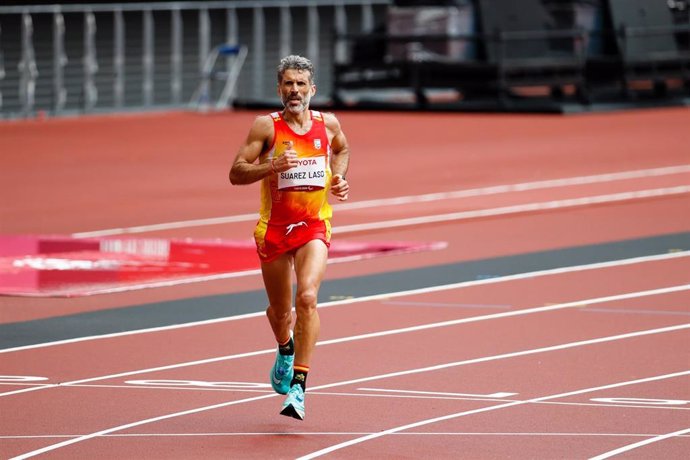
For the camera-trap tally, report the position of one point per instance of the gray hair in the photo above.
(296, 63)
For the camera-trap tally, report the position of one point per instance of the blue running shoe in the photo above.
(294, 403)
(282, 372)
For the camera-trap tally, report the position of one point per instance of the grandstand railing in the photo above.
(86, 58)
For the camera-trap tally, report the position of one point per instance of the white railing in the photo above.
(60, 59)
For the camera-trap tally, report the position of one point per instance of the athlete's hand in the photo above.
(339, 187)
(287, 160)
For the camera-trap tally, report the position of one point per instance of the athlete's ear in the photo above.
(313, 89)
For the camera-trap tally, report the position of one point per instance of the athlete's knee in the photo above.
(280, 313)
(306, 300)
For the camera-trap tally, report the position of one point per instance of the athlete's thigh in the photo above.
(277, 276)
(310, 264)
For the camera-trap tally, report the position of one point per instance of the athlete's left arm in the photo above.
(340, 157)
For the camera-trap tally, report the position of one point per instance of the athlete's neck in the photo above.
(301, 121)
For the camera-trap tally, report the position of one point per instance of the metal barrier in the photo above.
(234, 56)
(71, 59)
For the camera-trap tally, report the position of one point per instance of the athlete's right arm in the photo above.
(244, 170)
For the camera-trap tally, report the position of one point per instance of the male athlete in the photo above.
(302, 156)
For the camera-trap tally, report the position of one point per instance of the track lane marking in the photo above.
(444, 287)
(388, 375)
(514, 354)
(389, 431)
(472, 319)
(403, 200)
(554, 307)
(622, 197)
(515, 209)
(337, 433)
(630, 447)
(594, 402)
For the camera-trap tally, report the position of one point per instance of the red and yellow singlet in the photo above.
(294, 205)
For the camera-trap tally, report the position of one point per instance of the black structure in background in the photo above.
(651, 44)
(72, 2)
(506, 54)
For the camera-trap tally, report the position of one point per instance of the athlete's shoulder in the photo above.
(262, 130)
(263, 123)
(331, 122)
(328, 116)
(266, 119)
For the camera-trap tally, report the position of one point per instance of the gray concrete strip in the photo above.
(183, 311)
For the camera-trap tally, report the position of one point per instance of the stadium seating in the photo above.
(648, 47)
(507, 51)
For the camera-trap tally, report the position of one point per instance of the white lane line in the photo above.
(634, 311)
(498, 189)
(459, 306)
(491, 190)
(389, 431)
(169, 226)
(515, 354)
(407, 222)
(379, 393)
(437, 393)
(388, 295)
(630, 447)
(137, 423)
(515, 209)
(641, 443)
(339, 433)
(404, 330)
(475, 398)
(383, 376)
(142, 371)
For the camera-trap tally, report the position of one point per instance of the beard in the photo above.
(295, 109)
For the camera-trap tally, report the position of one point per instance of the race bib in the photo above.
(309, 174)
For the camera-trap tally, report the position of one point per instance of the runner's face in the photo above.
(295, 90)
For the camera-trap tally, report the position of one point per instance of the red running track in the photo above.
(510, 364)
(572, 363)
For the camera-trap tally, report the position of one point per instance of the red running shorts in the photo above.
(273, 240)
